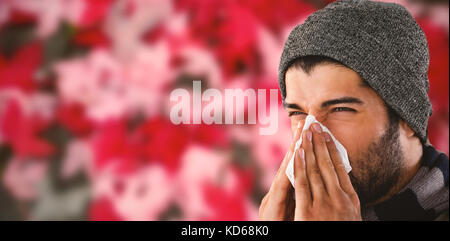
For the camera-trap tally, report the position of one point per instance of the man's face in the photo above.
(356, 116)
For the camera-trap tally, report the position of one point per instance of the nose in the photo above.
(319, 116)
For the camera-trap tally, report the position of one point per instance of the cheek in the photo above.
(355, 138)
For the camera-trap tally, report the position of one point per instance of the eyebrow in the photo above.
(342, 100)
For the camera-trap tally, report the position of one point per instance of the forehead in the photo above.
(325, 81)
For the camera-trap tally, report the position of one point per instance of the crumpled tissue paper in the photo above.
(310, 119)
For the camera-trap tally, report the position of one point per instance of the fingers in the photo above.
(312, 169)
(296, 136)
(324, 162)
(302, 191)
(344, 179)
(281, 181)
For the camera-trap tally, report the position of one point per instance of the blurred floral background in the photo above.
(84, 105)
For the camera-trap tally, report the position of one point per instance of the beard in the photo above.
(380, 166)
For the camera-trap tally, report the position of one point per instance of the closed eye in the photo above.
(341, 109)
(337, 109)
(291, 113)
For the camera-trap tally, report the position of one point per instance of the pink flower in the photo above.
(197, 61)
(163, 141)
(129, 20)
(209, 187)
(20, 71)
(112, 145)
(91, 37)
(8, 14)
(102, 209)
(153, 140)
(109, 87)
(230, 204)
(78, 157)
(74, 118)
(21, 177)
(49, 13)
(22, 132)
(143, 195)
(94, 12)
(228, 29)
(276, 14)
(199, 165)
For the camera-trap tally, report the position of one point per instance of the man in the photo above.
(360, 67)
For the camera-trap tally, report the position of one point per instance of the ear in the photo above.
(406, 129)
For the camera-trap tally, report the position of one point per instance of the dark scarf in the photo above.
(425, 197)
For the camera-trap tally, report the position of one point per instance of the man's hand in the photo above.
(279, 203)
(323, 190)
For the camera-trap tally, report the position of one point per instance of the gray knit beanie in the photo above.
(381, 42)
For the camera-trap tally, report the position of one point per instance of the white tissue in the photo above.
(341, 149)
